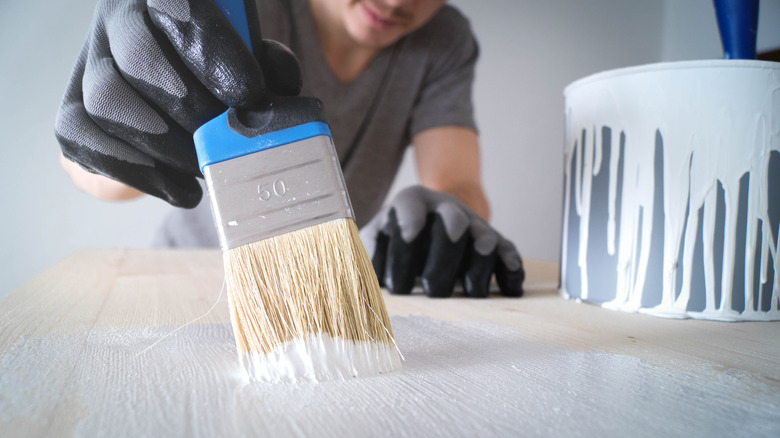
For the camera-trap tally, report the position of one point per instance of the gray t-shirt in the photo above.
(422, 81)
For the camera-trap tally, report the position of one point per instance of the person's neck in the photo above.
(346, 59)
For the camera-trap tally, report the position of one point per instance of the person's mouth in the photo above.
(377, 19)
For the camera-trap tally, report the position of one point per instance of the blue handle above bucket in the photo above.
(738, 25)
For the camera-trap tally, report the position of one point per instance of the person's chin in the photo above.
(372, 38)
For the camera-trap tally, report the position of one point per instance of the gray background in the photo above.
(530, 51)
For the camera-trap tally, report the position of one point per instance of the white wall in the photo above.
(42, 217)
(530, 50)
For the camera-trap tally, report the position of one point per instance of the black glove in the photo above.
(149, 74)
(432, 235)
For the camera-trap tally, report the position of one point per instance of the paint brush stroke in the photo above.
(458, 380)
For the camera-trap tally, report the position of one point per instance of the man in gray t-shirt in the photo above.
(390, 74)
(421, 83)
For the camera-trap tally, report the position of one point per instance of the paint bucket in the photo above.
(672, 190)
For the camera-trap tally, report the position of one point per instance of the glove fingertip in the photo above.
(379, 257)
(510, 282)
(438, 287)
(188, 199)
(182, 192)
(281, 69)
(478, 272)
(443, 260)
(403, 259)
(397, 285)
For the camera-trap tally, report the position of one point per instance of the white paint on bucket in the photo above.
(719, 120)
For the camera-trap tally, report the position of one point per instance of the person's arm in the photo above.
(98, 185)
(437, 231)
(448, 161)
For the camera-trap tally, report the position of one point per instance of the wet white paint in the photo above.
(719, 120)
(320, 357)
(458, 380)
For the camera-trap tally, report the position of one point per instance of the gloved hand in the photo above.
(432, 235)
(149, 74)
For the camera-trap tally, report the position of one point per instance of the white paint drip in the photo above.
(719, 120)
(320, 357)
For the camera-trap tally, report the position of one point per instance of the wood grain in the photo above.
(75, 361)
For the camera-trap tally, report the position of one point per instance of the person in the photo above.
(389, 72)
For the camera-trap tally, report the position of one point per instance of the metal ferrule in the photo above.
(276, 191)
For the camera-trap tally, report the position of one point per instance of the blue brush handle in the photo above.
(303, 118)
(738, 25)
(235, 12)
(214, 140)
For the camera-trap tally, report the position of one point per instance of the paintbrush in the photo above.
(305, 302)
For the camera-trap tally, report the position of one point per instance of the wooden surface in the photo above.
(75, 360)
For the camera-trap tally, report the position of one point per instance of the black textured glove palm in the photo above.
(431, 235)
(149, 74)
